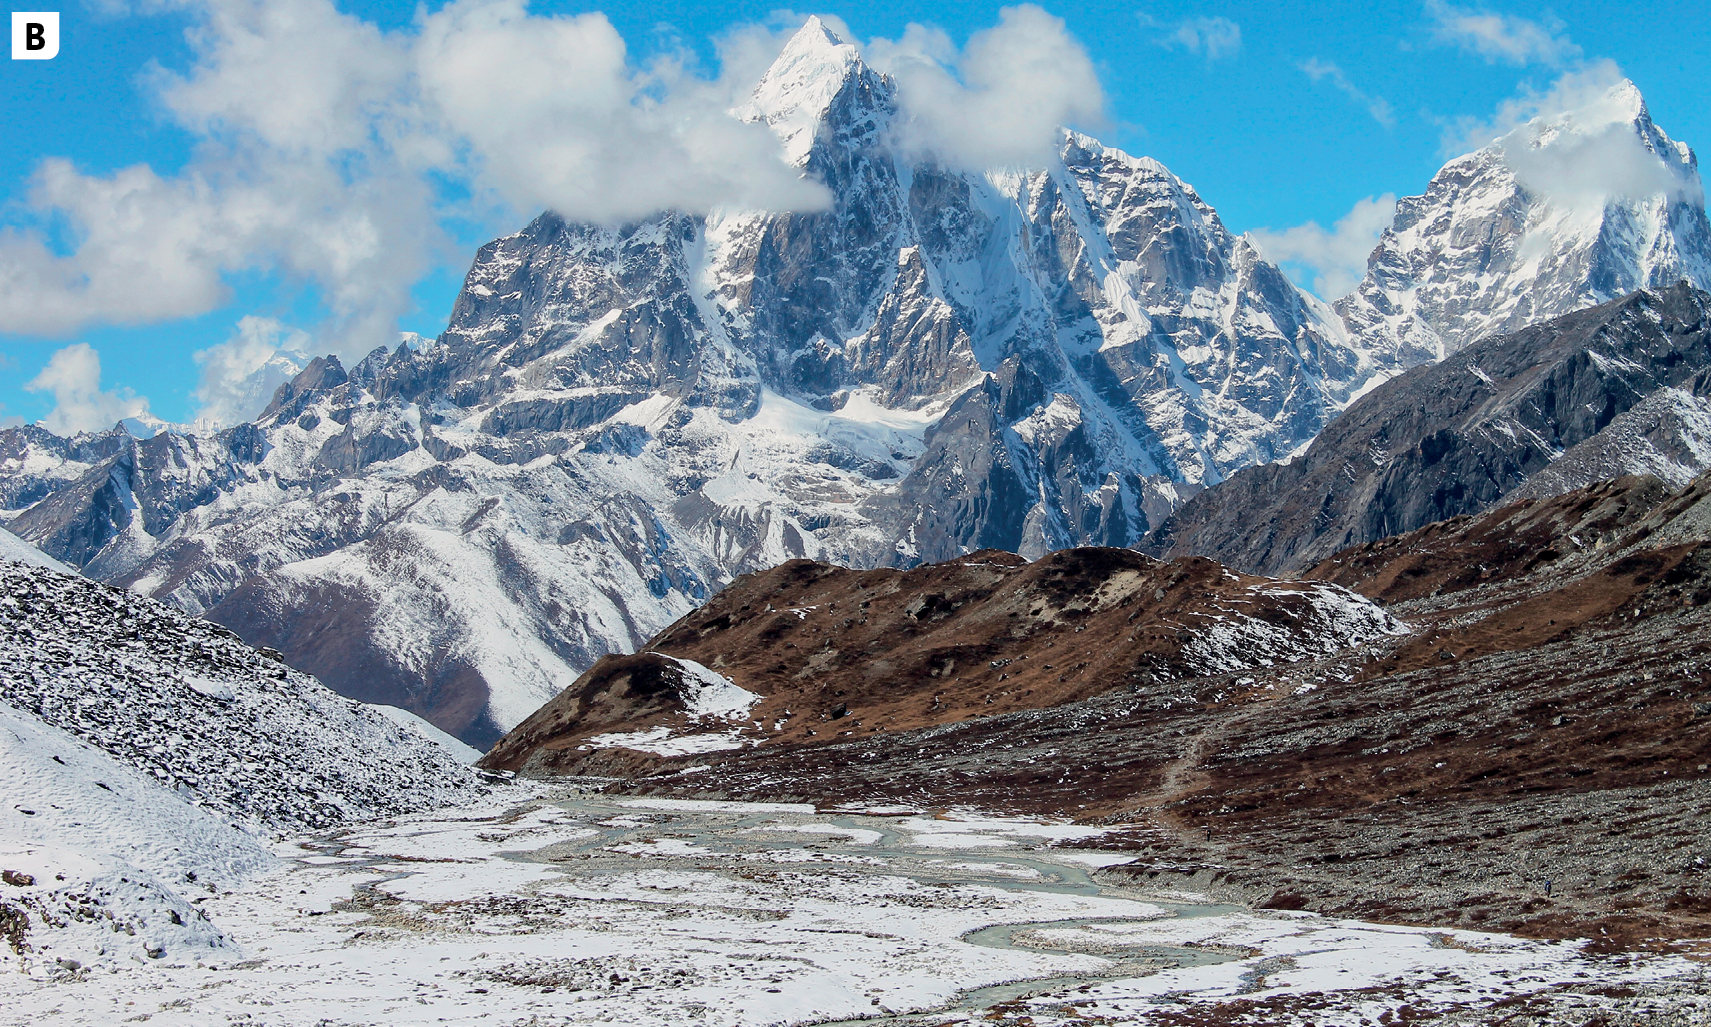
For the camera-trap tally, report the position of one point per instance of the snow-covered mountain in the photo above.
(620, 419)
(1599, 393)
(1567, 211)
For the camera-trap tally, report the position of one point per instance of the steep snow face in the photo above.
(1564, 212)
(619, 420)
(17, 550)
(796, 92)
(184, 703)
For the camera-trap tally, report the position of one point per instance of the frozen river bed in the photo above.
(574, 908)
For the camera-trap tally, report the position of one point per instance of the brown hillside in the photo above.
(838, 653)
(1548, 717)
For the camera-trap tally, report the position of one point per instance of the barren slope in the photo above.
(836, 653)
(1545, 720)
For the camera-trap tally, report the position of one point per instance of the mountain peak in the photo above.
(815, 33)
(1592, 109)
(1605, 116)
(1586, 202)
(798, 89)
(1601, 147)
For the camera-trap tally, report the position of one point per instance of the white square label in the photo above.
(35, 35)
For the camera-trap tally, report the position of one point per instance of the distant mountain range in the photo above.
(620, 420)
(1620, 388)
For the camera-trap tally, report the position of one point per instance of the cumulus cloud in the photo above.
(325, 145)
(73, 377)
(1500, 37)
(552, 115)
(1216, 37)
(240, 375)
(1325, 71)
(998, 102)
(152, 249)
(1577, 141)
(1335, 258)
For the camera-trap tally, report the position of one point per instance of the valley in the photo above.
(563, 905)
(992, 595)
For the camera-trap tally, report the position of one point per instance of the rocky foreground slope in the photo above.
(149, 757)
(1542, 719)
(186, 702)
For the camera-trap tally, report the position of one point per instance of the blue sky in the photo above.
(1278, 115)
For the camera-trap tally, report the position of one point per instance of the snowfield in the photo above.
(117, 865)
(569, 908)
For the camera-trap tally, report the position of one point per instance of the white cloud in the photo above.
(551, 115)
(919, 43)
(1576, 141)
(1500, 37)
(1001, 100)
(1377, 106)
(73, 376)
(240, 375)
(1335, 258)
(326, 149)
(322, 142)
(1216, 37)
(1586, 87)
(152, 249)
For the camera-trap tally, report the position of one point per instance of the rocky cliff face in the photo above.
(620, 419)
(1455, 437)
(1566, 212)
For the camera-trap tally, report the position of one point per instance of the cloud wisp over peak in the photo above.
(1001, 99)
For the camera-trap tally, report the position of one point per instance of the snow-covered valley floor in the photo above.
(563, 907)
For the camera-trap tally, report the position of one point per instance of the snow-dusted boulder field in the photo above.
(186, 702)
(149, 758)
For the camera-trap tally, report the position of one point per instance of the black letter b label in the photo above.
(35, 35)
